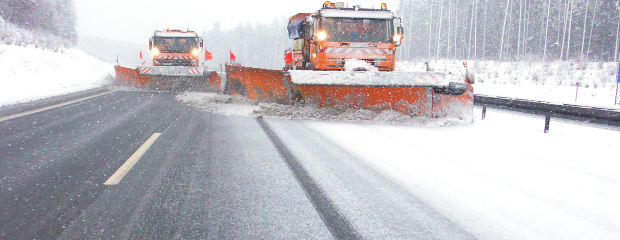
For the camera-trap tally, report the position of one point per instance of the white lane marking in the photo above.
(120, 173)
(52, 107)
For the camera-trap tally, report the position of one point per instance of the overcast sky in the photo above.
(135, 20)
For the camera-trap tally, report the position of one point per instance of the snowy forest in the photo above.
(504, 30)
(42, 23)
(254, 45)
(510, 30)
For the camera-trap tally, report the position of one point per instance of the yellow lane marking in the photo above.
(53, 106)
(120, 173)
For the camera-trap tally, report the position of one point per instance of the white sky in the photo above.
(135, 21)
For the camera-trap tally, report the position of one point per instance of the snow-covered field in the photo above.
(30, 73)
(542, 81)
(501, 178)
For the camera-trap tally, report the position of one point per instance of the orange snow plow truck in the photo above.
(345, 57)
(176, 63)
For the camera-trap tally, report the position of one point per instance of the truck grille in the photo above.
(339, 63)
(175, 62)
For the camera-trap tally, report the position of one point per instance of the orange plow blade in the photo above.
(130, 76)
(427, 94)
(257, 84)
(203, 81)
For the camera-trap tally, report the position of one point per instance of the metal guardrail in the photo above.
(566, 111)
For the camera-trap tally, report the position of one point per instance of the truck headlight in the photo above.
(154, 51)
(396, 38)
(321, 35)
(196, 51)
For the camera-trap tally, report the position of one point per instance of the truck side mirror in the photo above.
(151, 43)
(201, 42)
(309, 21)
(308, 31)
(401, 32)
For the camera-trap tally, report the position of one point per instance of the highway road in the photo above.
(118, 164)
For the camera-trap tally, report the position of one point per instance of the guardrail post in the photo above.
(484, 112)
(547, 120)
(576, 91)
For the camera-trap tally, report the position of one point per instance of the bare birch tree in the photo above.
(564, 32)
(501, 48)
(617, 32)
(591, 29)
(484, 40)
(585, 21)
(430, 30)
(547, 29)
(570, 27)
(439, 29)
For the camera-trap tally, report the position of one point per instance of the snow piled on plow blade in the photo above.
(365, 78)
(243, 107)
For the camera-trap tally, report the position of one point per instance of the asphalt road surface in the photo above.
(189, 175)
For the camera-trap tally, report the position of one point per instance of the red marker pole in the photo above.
(141, 58)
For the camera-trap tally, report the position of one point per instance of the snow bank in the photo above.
(29, 73)
(241, 106)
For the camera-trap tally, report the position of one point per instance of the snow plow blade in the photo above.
(130, 76)
(169, 78)
(257, 84)
(413, 93)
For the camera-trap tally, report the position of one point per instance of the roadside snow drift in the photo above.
(28, 73)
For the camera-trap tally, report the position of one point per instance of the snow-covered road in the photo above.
(502, 178)
(227, 174)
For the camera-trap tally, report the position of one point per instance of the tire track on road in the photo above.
(339, 226)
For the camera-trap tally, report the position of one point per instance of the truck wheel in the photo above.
(309, 66)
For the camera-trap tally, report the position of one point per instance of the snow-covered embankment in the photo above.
(29, 73)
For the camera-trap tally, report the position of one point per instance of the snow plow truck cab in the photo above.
(334, 33)
(176, 64)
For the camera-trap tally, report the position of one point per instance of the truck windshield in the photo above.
(357, 30)
(175, 44)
